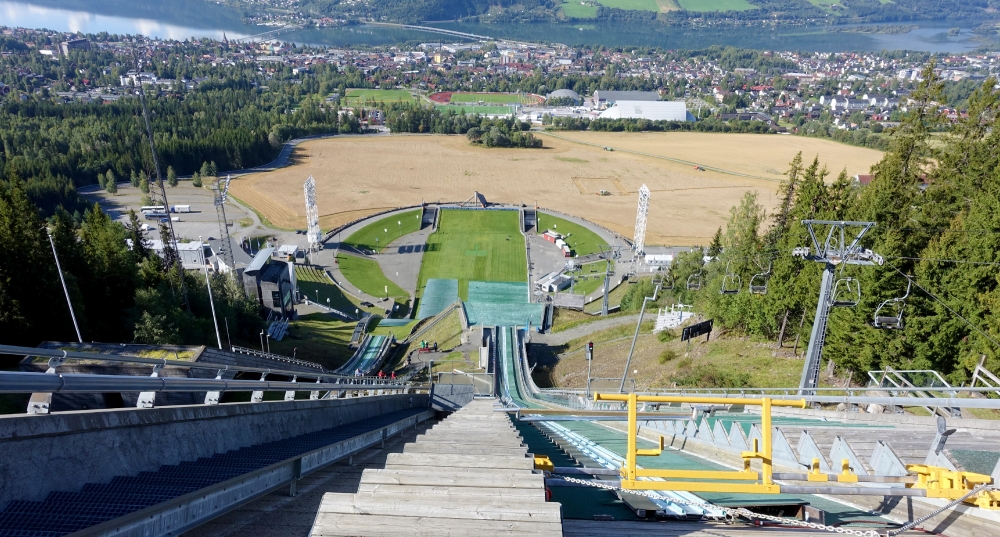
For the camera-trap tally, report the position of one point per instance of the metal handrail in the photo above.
(276, 357)
(25, 382)
(54, 353)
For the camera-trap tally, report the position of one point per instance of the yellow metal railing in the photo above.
(929, 481)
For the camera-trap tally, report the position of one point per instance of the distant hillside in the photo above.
(964, 12)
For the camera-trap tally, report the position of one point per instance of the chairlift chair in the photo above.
(731, 282)
(667, 281)
(846, 293)
(895, 306)
(758, 283)
(694, 282)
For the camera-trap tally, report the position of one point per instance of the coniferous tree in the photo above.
(133, 178)
(196, 180)
(143, 182)
(111, 182)
(715, 248)
(171, 176)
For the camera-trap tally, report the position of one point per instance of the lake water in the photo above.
(180, 19)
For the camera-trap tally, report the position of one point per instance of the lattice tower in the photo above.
(313, 233)
(639, 241)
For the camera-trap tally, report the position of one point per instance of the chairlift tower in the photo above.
(639, 240)
(841, 246)
(226, 247)
(313, 233)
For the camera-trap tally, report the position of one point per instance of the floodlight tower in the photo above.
(639, 241)
(312, 215)
(226, 248)
(840, 247)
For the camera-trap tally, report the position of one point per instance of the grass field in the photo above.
(486, 98)
(385, 230)
(483, 110)
(314, 284)
(475, 245)
(579, 11)
(686, 206)
(636, 5)
(582, 240)
(358, 96)
(716, 5)
(366, 275)
(318, 339)
(400, 332)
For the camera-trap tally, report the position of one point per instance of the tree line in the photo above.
(120, 289)
(936, 203)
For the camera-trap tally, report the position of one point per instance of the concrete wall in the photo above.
(451, 397)
(63, 451)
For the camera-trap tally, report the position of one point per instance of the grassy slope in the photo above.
(447, 333)
(399, 331)
(475, 245)
(397, 226)
(614, 299)
(582, 240)
(636, 5)
(724, 357)
(319, 338)
(367, 276)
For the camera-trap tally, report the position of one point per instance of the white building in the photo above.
(651, 110)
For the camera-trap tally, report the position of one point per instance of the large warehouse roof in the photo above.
(659, 110)
(616, 96)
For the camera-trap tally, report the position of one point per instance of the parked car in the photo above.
(367, 304)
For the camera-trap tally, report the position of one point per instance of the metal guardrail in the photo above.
(275, 357)
(834, 397)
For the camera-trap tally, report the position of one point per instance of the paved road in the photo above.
(561, 338)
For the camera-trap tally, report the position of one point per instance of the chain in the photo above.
(937, 512)
(739, 512)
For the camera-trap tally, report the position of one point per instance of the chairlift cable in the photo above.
(949, 308)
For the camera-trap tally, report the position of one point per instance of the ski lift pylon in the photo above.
(889, 314)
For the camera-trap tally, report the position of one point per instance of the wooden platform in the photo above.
(468, 475)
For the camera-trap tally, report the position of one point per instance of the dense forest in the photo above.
(935, 200)
(234, 116)
(119, 293)
(480, 130)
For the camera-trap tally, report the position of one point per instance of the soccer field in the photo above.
(484, 110)
(475, 245)
(358, 96)
(487, 98)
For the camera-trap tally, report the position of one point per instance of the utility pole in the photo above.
(635, 336)
(211, 303)
(159, 181)
(590, 360)
(65, 290)
(840, 247)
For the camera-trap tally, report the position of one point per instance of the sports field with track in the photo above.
(472, 245)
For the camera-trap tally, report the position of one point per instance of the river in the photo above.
(181, 19)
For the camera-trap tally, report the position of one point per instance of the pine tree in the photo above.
(196, 180)
(205, 170)
(715, 248)
(133, 178)
(111, 182)
(101, 181)
(143, 182)
(171, 176)
(213, 170)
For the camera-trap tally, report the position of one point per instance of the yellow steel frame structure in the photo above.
(937, 482)
(762, 483)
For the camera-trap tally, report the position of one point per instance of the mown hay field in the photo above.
(357, 176)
